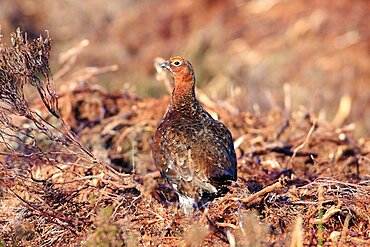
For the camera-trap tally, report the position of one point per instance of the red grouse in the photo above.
(194, 152)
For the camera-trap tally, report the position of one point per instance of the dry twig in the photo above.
(303, 144)
(251, 199)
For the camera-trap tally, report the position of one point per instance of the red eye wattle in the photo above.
(176, 62)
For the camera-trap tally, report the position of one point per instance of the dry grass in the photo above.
(56, 192)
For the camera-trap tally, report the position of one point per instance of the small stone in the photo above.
(334, 236)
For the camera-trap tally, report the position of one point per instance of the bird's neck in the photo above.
(184, 92)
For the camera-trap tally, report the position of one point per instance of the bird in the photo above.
(193, 152)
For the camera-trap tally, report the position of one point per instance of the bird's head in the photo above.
(180, 68)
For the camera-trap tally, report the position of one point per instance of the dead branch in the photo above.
(329, 213)
(278, 185)
(302, 145)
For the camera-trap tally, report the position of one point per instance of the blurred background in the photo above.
(243, 51)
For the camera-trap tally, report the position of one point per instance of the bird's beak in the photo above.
(166, 65)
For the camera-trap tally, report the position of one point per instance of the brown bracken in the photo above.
(194, 152)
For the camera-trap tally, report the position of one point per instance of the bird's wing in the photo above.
(226, 139)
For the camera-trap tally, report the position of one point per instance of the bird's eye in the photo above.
(176, 63)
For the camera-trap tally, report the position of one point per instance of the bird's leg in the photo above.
(187, 204)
